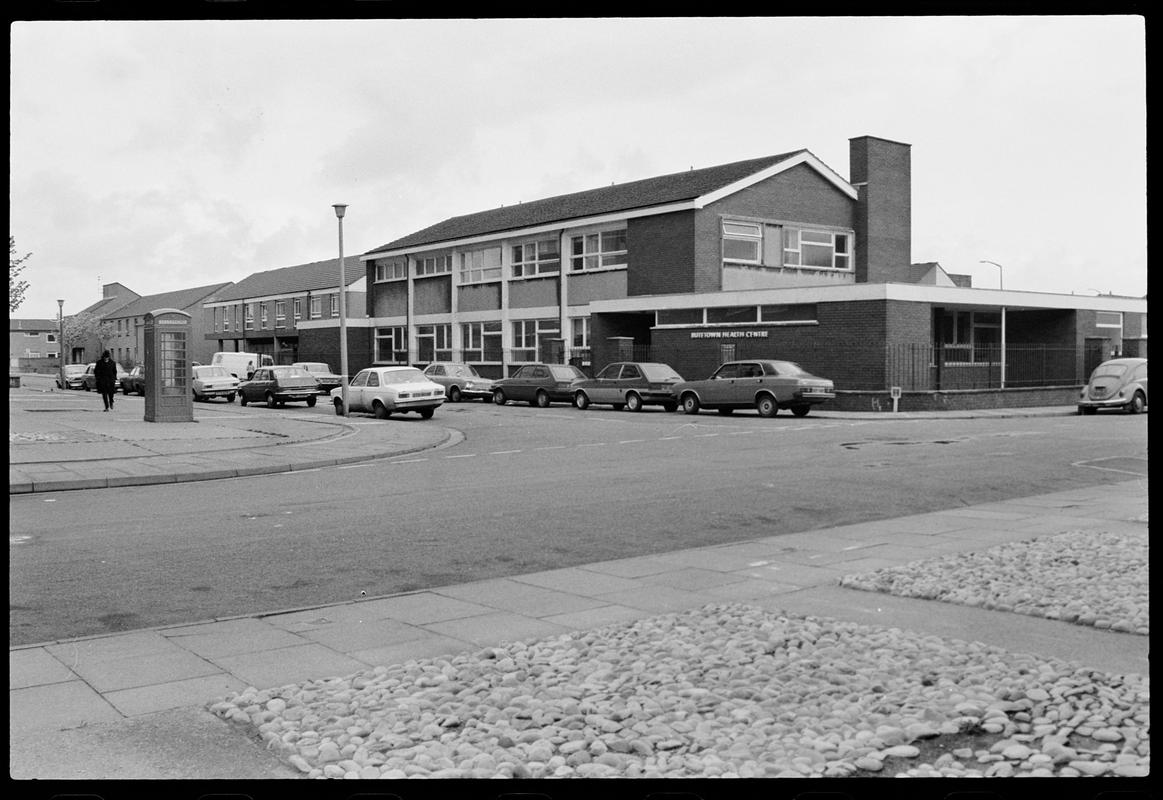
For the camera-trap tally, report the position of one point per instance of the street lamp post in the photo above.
(61, 341)
(340, 208)
(1001, 286)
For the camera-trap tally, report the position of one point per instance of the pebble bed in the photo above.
(1085, 577)
(728, 690)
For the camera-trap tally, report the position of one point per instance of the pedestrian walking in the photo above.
(105, 373)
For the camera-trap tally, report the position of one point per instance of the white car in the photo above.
(211, 381)
(386, 390)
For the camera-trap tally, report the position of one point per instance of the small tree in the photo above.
(80, 328)
(16, 287)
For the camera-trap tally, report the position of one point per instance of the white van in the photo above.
(241, 365)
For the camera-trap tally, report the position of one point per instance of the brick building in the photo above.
(777, 256)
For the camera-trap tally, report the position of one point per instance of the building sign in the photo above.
(728, 334)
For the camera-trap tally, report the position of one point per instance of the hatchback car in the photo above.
(75, 376)
(134, 381)
(89, 379)
(384, 391)
(539, 384)
(1118, 383)
(460, 381)
(631, 385)
(279, 386)
(210, 381)
(328, 380)
(762, 384)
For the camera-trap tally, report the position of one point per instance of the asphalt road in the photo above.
(526, 490)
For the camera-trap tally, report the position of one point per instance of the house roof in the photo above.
(181, 299)
(49, 325)
(293, 280)
(662, 190)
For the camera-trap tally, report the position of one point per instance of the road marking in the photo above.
(592, 444)
(354, 466)
(409, 461)
(465, 455)
(503, 452)
(631, 441)
(552, 447)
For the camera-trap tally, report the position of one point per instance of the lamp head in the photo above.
(339, 209)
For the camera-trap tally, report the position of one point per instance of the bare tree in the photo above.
(16, 287)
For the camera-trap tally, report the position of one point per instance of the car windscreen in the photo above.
(405, 376)
(211, 372)
(1109, 371)
(660, 372)
(566, 373)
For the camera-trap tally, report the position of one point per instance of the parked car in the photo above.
(211, 381)
(279, 386)
(539, 384)
(762, 384)
(460, 381)
(134, 381)
(90, 377)
(328, 380)
(631, 385)
(1118, 383)
(384, 391)
(75, 376)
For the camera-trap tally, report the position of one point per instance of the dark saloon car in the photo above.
(460, 381)
(328, 380)
(631, 385)
(1118, 383)
(133, 382)
(278, 386)
(763, 384)
(539, 385)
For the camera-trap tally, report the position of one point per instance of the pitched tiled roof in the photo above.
(290, 280)
(182, 299)
(49, 325)
(622, 197)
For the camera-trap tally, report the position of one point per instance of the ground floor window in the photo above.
(433, 343)
(392, 344)
(481, 342)
(970, 337)
(529, 336)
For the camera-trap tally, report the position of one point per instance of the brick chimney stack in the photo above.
(881, 172)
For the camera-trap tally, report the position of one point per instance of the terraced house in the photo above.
(778, 256)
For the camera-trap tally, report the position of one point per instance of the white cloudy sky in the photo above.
(165, 155)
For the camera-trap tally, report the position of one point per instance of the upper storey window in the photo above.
(606, 249)
(536, 258)
(775, 246)
(742, 241)
(816, 249)
(390, 271)
(432, 265)
(480, 266)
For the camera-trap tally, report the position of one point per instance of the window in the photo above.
(1108, 319)
(432, 265)
(481, 341)
(316, 307)
(529, 334)
(50, 338)
(480, 266)
(598, 250)
(297, 307)
(971, 336)
(679, 316)
(433, 343)
(800, 312)
(816, 249)
(391, 270)
(250, 316)
(391, 344)
(280, 313)
(731, 315)
(262, 309)
(742, 242)
(32, 334)
(373, 379)
(536, 258)
(581, 331)
(335, 304)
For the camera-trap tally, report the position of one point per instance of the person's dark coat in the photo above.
(105, 375)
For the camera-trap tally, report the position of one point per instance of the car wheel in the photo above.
(380, 410)
(338, 406)
(454, 394)
(230, 397)
(311, 402)
(633, 402)
(690, 404)
(801, 411)
(499, 397)
(766, 406)
(542, 400)
(196, 397)
(1137, 403)
(670, 407)
(426, 413)
(271, 401)
(242, 399)
(581, 400)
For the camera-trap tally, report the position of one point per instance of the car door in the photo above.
(605, 385)
(631, 378)
(355, 391)
(717, 390)
(746, 383)
(258, 385)
(524, 382)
